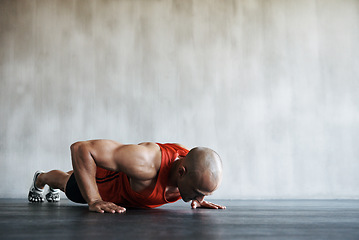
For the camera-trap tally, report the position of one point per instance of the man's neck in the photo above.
(172, 177)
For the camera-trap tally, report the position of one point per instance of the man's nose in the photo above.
(200, 198)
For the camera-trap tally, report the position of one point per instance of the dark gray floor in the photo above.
(333, 219)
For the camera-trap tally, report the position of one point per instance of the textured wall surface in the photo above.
(272, 86)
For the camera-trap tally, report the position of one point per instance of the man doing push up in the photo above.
(110, 176)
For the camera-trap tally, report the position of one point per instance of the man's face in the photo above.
(192, 187)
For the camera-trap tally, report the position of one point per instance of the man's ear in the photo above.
(182, 171)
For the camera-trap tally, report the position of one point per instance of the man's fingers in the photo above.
(105, 207)
(209, 205)
(113, 208)
(109, 207)
(119, 209)
(213, 205)
(221, 207)
(206, 204)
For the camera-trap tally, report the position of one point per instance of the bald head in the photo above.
(204, 166)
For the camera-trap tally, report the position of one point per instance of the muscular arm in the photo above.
(134, 160)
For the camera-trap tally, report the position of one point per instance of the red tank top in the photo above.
(115, 186)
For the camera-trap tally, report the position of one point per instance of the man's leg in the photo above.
(56, 179)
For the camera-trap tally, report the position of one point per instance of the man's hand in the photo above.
(205, 204)
(102, 206)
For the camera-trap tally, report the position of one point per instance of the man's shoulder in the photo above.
(153, 153)
(150, 145)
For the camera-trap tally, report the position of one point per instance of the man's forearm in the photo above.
(85, 172)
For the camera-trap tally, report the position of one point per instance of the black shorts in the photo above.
(72, 190)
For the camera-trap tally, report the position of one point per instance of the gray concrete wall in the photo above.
(273, 86)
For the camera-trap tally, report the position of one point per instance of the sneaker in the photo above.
(36, 194)
(53, 195)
